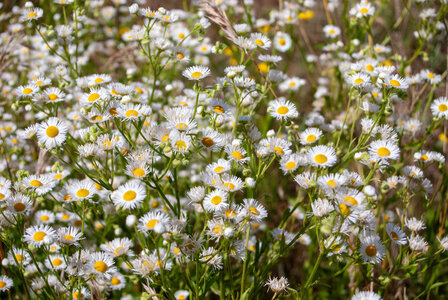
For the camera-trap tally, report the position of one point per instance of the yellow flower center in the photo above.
(394, 82)
(52, 97)
(57, 262)
(371, 251)
(359, 80)
(219, 109)
(363, 10)
(181, 145)
(281, 41)
(131, 113)
(229, 185)
(344, 209)
(39, 236)
(68, 237)
(383, 151)
(282, 110)
(311, 138)
(430, 75)
(207, 142)
(32, 15)
(237, 155)
(254, 211)
(115, 281)
(152, 223)
(290, 165)
(19, 207)
(82, 193)
(138, 172)
(27, 91)
(370, 68)
(216, 200)
(19, 257)
(100, 266)
(394, 235)
(350, 200)
(278, 150)
(196, 75)
(129, 196)
(93, 97)
(320, 158)
(443, 107)
(52, 131)
(35, 183)
(259, 42)
(99, 80)
(78, 295)
(425, 157)
(218, 169)
(45, 218)
(181, 126)
(331, 182)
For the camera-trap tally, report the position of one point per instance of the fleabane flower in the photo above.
(130, 195)
(322, 156)
(282, 109)
(384, 150)
(52, 133)
(196, 72)
(439, 108)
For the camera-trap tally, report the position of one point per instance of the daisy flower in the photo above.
(39, 235)
(252, 209)
(310, 136)
(130, 195)
(395, 81)
(27, 90)
(117, 281)
(41, 184)
(363, 9)
(180, 142)
(358, 79)
(321, 207)
(237, 154)
(230, 183)
(95, 95)
(215, 201)
(277, 285)
(282, 109)
(54, 95)
(81, 189)
(23, 258)
(366, 296)
(69, 236)
(101, 264)
(372, 249)
(32, 14)
(211, 140)
(52, 132)
(196, 72)
(98, 79)
(322, 156)
(219, 107)
(56, 262)
(384, 150)
(131, 111)
(331, 31)
(181, 295)
(19, 204)
(137, 169)
(5, 283)
(282, 41)
(261, 40)
(153, 221)
(80, 293)
(118, 247)
(290, 163)
(396, 234)
(439, 108)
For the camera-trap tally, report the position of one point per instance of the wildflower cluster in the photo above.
(223, 150)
